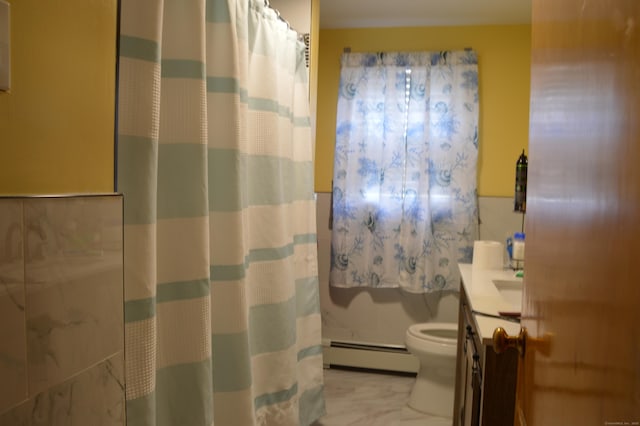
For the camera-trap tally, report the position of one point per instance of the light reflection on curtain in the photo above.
(404, 189)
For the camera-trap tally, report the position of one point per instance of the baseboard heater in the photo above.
(369, 356)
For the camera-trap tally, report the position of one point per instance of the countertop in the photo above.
(484, 297)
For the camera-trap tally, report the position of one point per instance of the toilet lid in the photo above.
(436, 332)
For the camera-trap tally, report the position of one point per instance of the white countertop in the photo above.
(484, 297)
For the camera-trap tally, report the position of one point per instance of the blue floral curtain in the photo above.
(404, 189)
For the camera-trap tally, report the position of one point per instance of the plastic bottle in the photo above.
(518, 250)
(520, 204)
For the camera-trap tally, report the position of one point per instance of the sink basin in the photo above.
(511, 292)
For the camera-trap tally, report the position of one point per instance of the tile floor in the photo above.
(355, 397)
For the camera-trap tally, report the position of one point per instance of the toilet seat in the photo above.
(437, 338)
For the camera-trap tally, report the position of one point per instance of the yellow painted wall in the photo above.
(504, 76)
(57, 122)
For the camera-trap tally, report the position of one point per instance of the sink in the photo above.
(511, 292)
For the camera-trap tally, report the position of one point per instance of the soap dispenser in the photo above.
(520, 202)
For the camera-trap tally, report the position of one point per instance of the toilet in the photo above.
(434, 344)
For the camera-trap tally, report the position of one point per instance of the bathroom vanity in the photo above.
(485, 381)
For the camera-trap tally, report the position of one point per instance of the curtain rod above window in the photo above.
(347, 49)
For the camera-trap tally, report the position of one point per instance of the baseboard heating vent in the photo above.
(369, 356)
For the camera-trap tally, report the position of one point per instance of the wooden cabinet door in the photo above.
(582, 275)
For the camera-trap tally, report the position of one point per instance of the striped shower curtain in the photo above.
(215, 163)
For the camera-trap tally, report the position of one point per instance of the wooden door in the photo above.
(582, 267)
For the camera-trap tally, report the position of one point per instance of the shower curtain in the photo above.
(215, 163)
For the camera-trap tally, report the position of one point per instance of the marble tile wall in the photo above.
(13, 339)
(61, 311)
(497, 218)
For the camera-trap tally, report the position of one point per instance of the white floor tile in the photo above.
(369, 398)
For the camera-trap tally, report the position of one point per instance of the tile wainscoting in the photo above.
(382, 316)
(61, 310)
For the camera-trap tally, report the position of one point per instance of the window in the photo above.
(404, 194)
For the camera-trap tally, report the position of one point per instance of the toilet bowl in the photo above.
(434, 344)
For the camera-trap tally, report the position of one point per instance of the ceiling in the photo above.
(420, 13)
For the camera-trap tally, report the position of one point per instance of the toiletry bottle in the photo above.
(520, 204)
(518, 250)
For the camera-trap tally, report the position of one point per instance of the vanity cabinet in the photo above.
(485, 381)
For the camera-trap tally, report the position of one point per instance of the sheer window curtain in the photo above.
(222, 318)
(404, 189)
